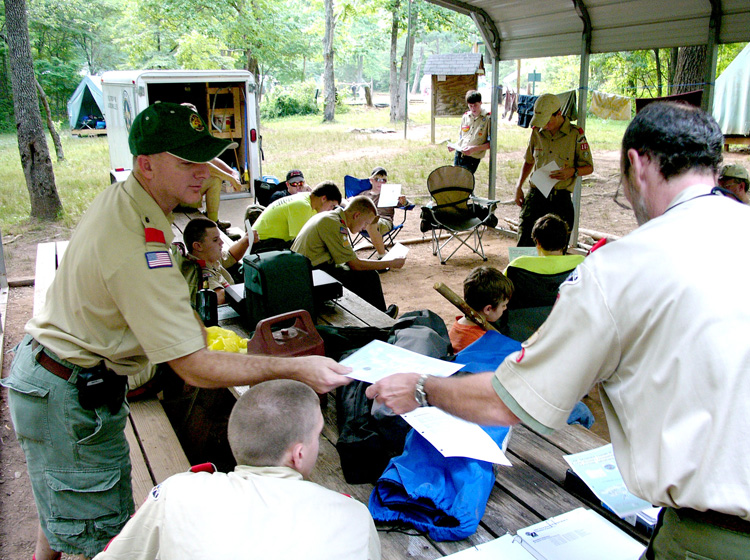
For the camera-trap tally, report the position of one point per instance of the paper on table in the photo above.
(541, 179)
(580, 534)
(455, 437)
(398, 251)
(379, 359)
(389, 195)
(598, 469)
(502, 547)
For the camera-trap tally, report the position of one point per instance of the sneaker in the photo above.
(392, 311)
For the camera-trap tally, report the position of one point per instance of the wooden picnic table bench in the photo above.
(155, 451)
(530, 491)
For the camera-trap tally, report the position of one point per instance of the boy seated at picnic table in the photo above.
(264, 508)
(376, 230)
(203, 243)
(550, 234)
(487, 291)
(282, 220)
(324, 240)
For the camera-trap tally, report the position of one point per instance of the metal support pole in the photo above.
(583, 93)
(712, 54)
(497, 91)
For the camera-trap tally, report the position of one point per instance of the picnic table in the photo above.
(530, 491)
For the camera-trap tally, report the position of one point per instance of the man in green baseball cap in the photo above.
(118, 303)
(735, 179)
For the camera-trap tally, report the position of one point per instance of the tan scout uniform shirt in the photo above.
(116, 296)
(568, 148)
(253, 512)
(325, 239)
(669, 347)
(474, 132)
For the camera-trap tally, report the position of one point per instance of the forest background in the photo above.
(287, 43)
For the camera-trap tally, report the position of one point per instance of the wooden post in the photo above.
(470, 313)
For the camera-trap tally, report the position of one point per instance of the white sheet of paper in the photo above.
(580, 534)
(598, 469)
(398, 251)
(379, 359)
(389, 195)
(542, 180)
(454, 145)
(501, 548)
(455, 437)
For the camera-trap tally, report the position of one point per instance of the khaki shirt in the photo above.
(253, 512)
(474, 132)
(568, 148)
(117, 296)
(669, 348)
(325, 239)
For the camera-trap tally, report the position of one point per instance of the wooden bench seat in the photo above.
(155, 451)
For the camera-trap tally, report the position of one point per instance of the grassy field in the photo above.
(321, 150)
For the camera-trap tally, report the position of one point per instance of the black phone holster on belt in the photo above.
(99, 386)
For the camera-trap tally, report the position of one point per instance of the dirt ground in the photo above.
(411, 288)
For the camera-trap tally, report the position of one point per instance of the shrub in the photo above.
(284, 101)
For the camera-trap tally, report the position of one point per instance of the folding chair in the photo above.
(353, 187)
(456, 211)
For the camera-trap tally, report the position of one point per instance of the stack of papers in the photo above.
(580, 534)
(452, 436)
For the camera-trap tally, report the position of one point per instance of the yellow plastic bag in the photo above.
(224, 340)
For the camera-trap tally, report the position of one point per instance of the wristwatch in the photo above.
(419, 394)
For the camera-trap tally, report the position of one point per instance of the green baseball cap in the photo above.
(175, 129)
(546, 106)
(735, 171)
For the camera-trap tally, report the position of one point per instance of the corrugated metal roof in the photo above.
(539, 28)
(456, 64)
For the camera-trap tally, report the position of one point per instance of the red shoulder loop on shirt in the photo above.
(203, 467)
(154, 235)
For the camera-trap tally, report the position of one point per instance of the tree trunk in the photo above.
(418, 71)
(368, 96)
(402, 94)
(658, 73)
(360, 64)
(691, 69)
(329, 84)
(50, 124)
(393, 90)
(673, 55)
(32, 143)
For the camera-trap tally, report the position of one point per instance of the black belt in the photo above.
(717, 519)
(51, 365)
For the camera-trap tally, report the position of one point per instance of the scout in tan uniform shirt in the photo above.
(552, 138)
(118, 301)
(667, 347)
(474, 136)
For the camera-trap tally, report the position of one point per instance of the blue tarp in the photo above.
(87, 101)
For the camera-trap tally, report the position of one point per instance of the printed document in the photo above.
(398, 251)
(598, 469)
(455, 437)
(541, 179)
(379, 359)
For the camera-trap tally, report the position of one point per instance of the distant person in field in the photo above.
(474, 136)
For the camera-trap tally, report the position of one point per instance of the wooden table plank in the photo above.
(140, 475)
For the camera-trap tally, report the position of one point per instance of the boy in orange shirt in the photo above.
(487, 291)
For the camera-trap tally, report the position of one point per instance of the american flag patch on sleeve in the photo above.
(158, 259)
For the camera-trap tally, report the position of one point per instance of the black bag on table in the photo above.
(277, 282)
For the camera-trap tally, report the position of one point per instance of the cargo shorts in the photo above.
(78, 460)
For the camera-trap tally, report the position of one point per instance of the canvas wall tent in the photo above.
(515, 29)
(732, 96)
(86, 100)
